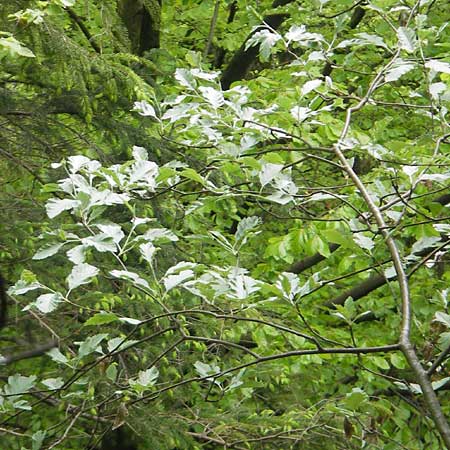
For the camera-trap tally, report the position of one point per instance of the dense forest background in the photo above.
(224, 224)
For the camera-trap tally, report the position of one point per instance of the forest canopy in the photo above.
(225, 224)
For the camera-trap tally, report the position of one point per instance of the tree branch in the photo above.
(33, 353)
(77, 19)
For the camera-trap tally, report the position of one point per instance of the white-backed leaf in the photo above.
(172, 281)
(146, 378)
(130, 320)
(426, 242)
(204, 369)
(14, 47)
(300, 113)
(22, 286)
(114, 231)
(119, 344)
(438, 66)
(19, 384)
(81, 274)
(91, 345)
(399, 68)
(310, 86)
(185, 78)
(266, 40)
(298, 34)
(442, 318)
(364, 39)
(144, 109)
(147, 251)
(160, 234)
(101, 242)
(182, 265)
(212, 96)
(246, 225)
(46, 303)
(56, 355)
(53, 383)
(130, 276)
(436, 89)
(76, 162)
(55, 206)
(77, 255)
(363, 241)
(47, 250)
(268, 172)
(139, 153)
(439, 383)
(406, 39)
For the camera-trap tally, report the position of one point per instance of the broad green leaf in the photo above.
(356, 399)
(111, 372)
(192, 175)
(100, 319)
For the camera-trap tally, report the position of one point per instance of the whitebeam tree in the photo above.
(280, 280)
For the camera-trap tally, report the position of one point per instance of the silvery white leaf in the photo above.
(81, 274)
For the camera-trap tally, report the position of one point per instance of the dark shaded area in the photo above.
(310, 261)
(357, 16)
(142, 20)
(360, 290)
(220, 55)
(243, 59)
(118, 439)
